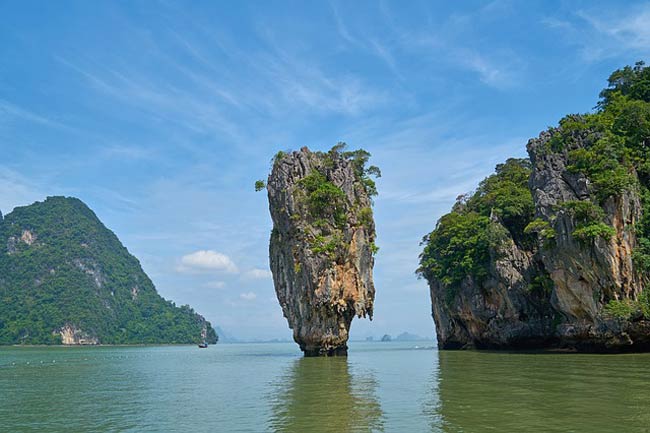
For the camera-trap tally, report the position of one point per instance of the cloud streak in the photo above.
(258, 274)
(248, 296)
(207, 261)
(606, 33)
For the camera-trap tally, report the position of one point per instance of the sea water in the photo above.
(389, 387)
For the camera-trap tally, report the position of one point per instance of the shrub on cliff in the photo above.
(630, 81)
(461, 242)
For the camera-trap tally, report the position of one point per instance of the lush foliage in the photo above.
(76, 272)
(323, 197)
(621, 309)
(328, 205)
(365, 216)
(260, 185)
(589, 220)
(359, 159)
(460, 245)
(542, 228)
(631, 81)
(617, 157)
(626, 309)
(591, 232)
(506, 195)
(610, 147)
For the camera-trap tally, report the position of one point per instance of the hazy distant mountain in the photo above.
(66, 278)
(225, 337)
(405, 336)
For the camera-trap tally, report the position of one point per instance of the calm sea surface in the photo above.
(390, 387)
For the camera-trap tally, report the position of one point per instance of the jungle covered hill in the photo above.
(66, 278)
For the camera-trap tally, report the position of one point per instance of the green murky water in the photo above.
(391, 387)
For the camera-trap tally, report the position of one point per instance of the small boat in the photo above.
(203, 345)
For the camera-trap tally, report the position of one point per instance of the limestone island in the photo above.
(553, 251)
(322, 244)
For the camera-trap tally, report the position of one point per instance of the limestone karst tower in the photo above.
(322, 244)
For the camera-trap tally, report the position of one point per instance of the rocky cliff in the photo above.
(322, 244)
(554, 253)
(66, 279)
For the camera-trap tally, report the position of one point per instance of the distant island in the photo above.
(554, 250)
(404, 336)
(66, 279)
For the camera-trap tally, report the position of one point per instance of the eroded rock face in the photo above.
(321, 248)
(586, 275)
(500, 312)
(73, 336)
(554, 292)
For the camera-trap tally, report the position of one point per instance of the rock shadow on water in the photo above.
(325, 395)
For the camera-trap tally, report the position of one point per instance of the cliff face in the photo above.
(558, 290)
(557, 256)
(587, 273)
(66, 279)
(71, 336)
(322, 245)
(501, 311)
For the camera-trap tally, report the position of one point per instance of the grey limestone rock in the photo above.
(321, 259)
(553, 293)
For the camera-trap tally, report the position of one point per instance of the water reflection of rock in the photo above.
(325, 395)
(540, 392)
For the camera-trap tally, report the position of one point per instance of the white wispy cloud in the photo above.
(300, 83)
(207, 261)
(605, 32)
(215, 285)
(631, 29)
(127, 152)
(10, 112)
(258, 274)
(341, 28)
(248, 296)
(16, 190)
(497, 74)
(451, 42)
(165, 103)
(376, 45)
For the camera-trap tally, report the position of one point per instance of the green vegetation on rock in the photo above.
(619, 156)
(60, 266)
(554, 252)
(359, 159)
(260, 185)
(609, 147)
(328, 208)
(589, 218)
(457, 248)
(626, 309)
(542, 228)
(322, 245)
(460, 245)
(325, 200)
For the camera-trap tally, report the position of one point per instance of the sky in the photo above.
(160, 115)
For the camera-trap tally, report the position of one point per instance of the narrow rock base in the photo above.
(324, 351)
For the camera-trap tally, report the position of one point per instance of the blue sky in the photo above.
(161, 115)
